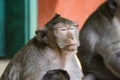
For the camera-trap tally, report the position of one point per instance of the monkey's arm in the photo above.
(113, 63)
(12, 72)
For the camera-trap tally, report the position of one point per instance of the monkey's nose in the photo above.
(72, 38)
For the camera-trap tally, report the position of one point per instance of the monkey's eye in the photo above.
(72, 28)
(63, 29)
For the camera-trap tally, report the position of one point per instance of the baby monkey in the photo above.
(56, 74)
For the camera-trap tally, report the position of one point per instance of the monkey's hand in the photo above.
(89, 77)
(113, 63)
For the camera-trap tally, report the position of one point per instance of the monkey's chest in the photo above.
(74, 69)
(56, 64)
(69, 63)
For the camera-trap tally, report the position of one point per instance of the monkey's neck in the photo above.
(66, 55)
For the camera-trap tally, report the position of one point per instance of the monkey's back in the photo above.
(94, 31)
(29, 63)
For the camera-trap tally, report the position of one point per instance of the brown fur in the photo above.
(43, 53)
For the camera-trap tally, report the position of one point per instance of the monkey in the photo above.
(99, 50)
(53, 47)
(56, 74)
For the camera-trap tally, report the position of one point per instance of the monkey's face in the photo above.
(67, 36)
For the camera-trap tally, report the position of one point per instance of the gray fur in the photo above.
(100, 43)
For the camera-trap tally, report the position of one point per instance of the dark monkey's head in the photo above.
(60, 33)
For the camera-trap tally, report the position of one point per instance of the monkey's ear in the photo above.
(40, 34)
(112, 4)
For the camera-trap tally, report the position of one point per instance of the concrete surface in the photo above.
(3, 64)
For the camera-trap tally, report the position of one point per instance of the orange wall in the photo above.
(76, 10)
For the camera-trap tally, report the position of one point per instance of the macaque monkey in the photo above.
(99, 51)
(53, 47)
(57, 74)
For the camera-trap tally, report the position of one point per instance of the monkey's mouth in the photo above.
(71, 45)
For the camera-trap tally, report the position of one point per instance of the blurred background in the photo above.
(20, 18)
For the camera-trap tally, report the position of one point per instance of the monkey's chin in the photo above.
(71, 48)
